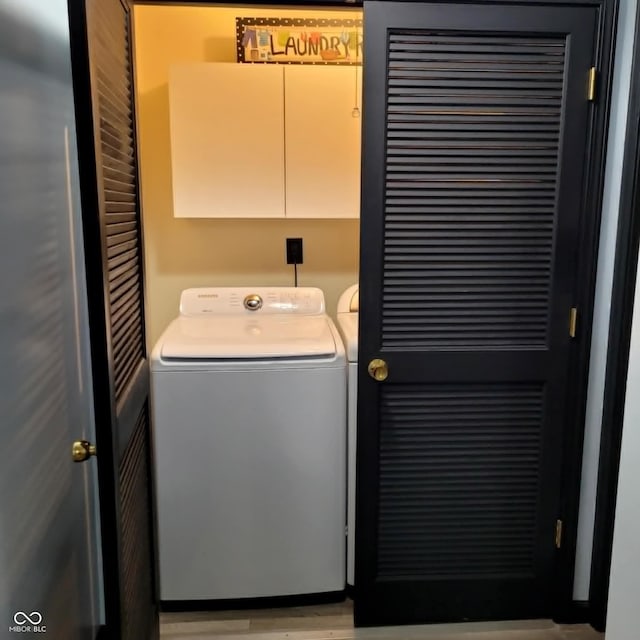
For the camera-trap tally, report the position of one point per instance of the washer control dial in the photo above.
(253, 302)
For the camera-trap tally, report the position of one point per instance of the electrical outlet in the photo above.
(294, 251)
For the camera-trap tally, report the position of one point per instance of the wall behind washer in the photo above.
(181, 253)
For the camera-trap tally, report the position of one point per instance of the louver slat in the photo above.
(472, 148)
(120, 191)
(455, 461)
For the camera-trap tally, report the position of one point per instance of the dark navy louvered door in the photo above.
(476, 126)
(102, 51)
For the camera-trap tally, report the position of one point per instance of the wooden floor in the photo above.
(335, 622)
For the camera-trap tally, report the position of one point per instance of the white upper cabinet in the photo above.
(322, 133)
(227, 140)
(265, 140)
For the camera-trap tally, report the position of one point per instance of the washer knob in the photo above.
(253, 302)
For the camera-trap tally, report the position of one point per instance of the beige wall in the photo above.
(181, 253)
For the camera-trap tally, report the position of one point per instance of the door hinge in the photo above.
(573, 321)
(591, 90)
(558, 534)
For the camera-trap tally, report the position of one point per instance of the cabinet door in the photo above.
(227, 140)
(322, 141)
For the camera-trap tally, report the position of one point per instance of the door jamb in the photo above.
(568, 610)
(621, 315)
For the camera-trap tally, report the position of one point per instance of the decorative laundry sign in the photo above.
(299, 40)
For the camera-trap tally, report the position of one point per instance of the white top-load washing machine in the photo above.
(348, 308)
(249, 422)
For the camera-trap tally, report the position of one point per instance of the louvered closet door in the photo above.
(111, 194)
(475, 132)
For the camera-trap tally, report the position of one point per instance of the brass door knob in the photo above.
(378, 369)
(82, 450)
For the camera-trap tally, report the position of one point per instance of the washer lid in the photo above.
(348, 323)
(248, 338)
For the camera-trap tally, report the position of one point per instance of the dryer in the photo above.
(348, 310)
(249, 429)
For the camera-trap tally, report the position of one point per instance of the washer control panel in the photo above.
(245, 300)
